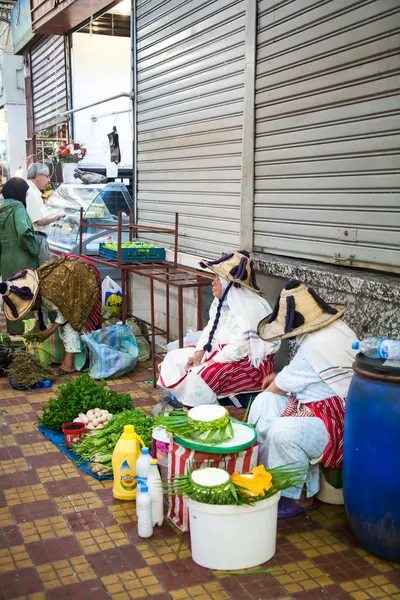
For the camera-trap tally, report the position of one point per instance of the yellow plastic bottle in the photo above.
(125, 455)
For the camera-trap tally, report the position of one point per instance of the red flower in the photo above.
(83, 152)
(76, 146)
(75, 157)
(64, 153)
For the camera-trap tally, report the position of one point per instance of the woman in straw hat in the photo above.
(229, 356)
(299, 417)
(68, 286)
(19, 245)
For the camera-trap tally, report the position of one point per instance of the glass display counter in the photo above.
(101, 204)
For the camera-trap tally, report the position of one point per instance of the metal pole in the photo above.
(119, 249)
(176, 240)
(180, 316)
(81, 233)
(247, 185)
(153, 331)
(134, 109)
(74, 110)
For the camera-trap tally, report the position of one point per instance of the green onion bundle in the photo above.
(209, 424)
(211, 485)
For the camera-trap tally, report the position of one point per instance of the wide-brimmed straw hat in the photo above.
(236, 267)
(19, 293)
(298, 310)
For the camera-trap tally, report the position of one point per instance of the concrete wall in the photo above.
(12, 99)
(101, 67)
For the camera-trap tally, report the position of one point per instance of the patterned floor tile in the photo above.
(62, 534)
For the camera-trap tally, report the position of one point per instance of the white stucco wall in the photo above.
(101, 67)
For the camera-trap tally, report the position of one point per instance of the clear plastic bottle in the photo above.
(143, 468)
(374, 347)
(143, 511)
(154, 484)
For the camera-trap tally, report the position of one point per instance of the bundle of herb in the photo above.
(26, 370)
(78, 396)
(98, 446)
(5, 340)
(215, 486)
(33, 337)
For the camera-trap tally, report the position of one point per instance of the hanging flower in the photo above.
(72, 152)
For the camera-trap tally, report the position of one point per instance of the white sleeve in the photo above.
(35, 207)
(297, 375)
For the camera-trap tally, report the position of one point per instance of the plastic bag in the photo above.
(51, 351)
(190, 339)
(113, 351)
(143, 344)
(111, 296)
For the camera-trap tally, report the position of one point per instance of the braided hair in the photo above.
(207, 347)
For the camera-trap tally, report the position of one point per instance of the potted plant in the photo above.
(69, 155)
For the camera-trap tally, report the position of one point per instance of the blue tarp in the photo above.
(57, 439)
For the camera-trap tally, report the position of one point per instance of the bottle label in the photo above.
(141, 481)
(383, 349)
(127, 477)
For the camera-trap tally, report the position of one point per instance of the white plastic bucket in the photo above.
(233, 537)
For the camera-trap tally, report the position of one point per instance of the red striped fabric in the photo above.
(241, 376)
(331, 412)
(179, 461)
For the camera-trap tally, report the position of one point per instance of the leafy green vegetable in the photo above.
(98, 446)
(78, 396)
(5, 340)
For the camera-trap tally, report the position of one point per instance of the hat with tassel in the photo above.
(237, 268)
(19, 293)
(298, 310)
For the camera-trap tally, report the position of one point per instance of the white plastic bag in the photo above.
(190, 339)
(111, 296)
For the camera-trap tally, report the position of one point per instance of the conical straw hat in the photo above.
(19, 293)
(298, 310)
(236, 267)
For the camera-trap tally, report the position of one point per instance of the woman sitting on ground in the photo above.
(300, 416)
(229, 357)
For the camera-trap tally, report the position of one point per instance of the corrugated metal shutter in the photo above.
(327, 130)
(49, 86)
(189, 113)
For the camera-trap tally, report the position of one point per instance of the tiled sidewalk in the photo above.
(63, 536)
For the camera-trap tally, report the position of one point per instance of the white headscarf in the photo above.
(249, 309)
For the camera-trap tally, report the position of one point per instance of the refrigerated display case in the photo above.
(101, 204)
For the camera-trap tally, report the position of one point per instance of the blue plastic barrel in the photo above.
(371, 463)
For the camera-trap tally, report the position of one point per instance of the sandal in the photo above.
(287, 507)
(63, 372)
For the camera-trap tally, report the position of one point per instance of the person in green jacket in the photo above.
(19, 245)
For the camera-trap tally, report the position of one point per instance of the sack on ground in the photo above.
(48, 352)
(143, 344)
(113, 351)
(111, 296)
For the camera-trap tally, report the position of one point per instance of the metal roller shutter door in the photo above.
(48, 81)
(327, 130)
(190, 81)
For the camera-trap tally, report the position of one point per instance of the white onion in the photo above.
(97, 411)
(89, 426)
(95, 422)
(90, 415)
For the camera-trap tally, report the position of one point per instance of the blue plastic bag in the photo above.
(113, 351)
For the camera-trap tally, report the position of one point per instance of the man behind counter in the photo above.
(38, 178)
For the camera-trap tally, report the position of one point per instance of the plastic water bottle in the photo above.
(143, 511)
(374, 347)
(143, 468)
(154, 484)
